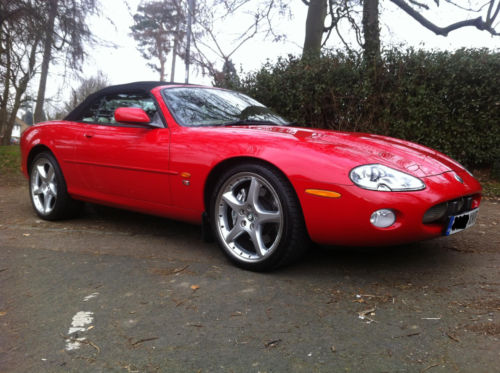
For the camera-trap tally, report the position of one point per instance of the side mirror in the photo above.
(131, 115)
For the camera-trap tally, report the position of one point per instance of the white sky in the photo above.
(125, 64)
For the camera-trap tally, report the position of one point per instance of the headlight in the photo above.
(385, 179)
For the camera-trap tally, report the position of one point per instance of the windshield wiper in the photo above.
(250, 122)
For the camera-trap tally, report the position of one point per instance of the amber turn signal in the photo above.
(323, 193)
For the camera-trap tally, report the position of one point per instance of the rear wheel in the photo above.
(257, 219)
(48, 189)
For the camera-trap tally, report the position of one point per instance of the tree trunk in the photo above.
(172, 72)
(4, 133)
(20, 90)
(163, 61)
(174, 53)
(372, 61)
(371, 32)
(315, 21)
(161, 56)
(47, 54)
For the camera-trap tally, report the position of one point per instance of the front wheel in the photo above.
(48, 189)
(257, 218)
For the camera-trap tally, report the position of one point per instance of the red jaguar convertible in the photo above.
(263, 187)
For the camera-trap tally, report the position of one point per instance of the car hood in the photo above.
(363, 148)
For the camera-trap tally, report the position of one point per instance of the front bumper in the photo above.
(346, 220)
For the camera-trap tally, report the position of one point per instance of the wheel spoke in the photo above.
(231, 200)
(258, 244)
(269, 217)
(253, 193)
(50, 174)
(37, 190)
(53, 189)
(47, 199)
(234, 233)
(41, 171)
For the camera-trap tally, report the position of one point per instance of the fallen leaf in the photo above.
(364, 313)
(26, 234)
(144, 340)
(429, 367)
(195, 287)
(407, 335)
(3, 313)
(273, 343)
(453, 337)
(168, 271)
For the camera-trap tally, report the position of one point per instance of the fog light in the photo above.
(383, 218)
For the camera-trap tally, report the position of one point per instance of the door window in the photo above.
(102, 110)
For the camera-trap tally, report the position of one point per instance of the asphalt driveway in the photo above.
(124, 292)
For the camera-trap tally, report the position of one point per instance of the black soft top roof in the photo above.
(143, 87)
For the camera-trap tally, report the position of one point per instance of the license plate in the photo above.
(460, 222)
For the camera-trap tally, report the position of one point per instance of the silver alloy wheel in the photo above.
(249, 217)
(43, 186)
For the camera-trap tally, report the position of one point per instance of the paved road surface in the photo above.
(115, 291)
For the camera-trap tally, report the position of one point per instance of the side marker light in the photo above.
(323, 193)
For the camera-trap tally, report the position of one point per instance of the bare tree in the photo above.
(66, 32)
(160, 31)
(87, 87)
(256, 18)
(416, 9)
(47, 53)
(485, 22)
(326, 16)
(19, 44)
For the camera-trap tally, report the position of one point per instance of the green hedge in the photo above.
(449, 101)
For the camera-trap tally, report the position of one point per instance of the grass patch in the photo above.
(490, 184)
(491, 188)
(10, 158)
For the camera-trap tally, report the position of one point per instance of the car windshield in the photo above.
(197, 106)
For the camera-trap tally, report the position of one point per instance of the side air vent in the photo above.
(435, 213)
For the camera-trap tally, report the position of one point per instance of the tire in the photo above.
(48, 193)
(256, 218)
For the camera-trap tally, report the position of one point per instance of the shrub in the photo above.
(449, 101)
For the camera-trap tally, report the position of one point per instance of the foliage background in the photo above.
(449, 101)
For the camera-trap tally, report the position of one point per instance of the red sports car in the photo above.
(264, 188)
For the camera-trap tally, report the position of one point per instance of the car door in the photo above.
(122, 164)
